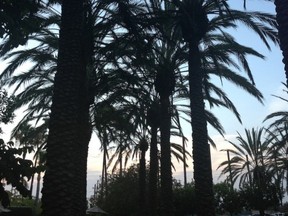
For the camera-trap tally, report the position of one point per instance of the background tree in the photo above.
(6, 108)
(250, 164)
(14, 169)
(184, 199)
(19, 20)
(227, 199)
(257, 198)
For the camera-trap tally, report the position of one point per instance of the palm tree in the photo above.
(69, 129)
(153, 120)
(250, 153)
(143, 145)
(278, 165)
(41, 160)
(45, 76)
(195, 26)
(277, 136)
(250, 163)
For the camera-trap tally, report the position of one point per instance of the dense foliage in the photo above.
(6, 108)
(18, 20)
(14, 169)
(120, 196)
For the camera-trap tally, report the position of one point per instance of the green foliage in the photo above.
(19, 201)
(13, 168)
(227, 199)
(260, 198)
(184, 199)
(6, 108)
(18, 19)
(121, 193)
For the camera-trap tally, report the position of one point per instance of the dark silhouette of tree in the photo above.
(14, 169)
(143, 145)
(227, 199)
(19, 19)
(6, 108)
(69, 127)
(195, 25)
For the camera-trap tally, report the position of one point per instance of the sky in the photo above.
(268, 75)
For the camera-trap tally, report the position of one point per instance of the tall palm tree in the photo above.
(153, 120)
(45, 76)
(41, 160)
(143, 145)
(69, 133)
(195, 27)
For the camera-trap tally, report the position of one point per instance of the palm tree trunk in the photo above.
(166, 208)
(32, 179)
(201, 148)
(282, 19)
(142, 185)
(153, 174)
(249, 172)
(64, 188)
(104, 165)
(37, 188)
(120, 159)
(230, 170)
(184, 161)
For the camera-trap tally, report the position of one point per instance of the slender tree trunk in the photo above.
(104, 165)
(249, 172)
(184, 162)
(37, 188)
(120, 159)
(32, 179)
(166, 208)
(230, 171)
(201, 148)
(142, 185)
(64, 188)
(282, 19)
(153, 174)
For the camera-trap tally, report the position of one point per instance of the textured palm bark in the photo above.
(201, 148)
(166, 205)
(282, 19)
(153, 174)
(64, 188)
